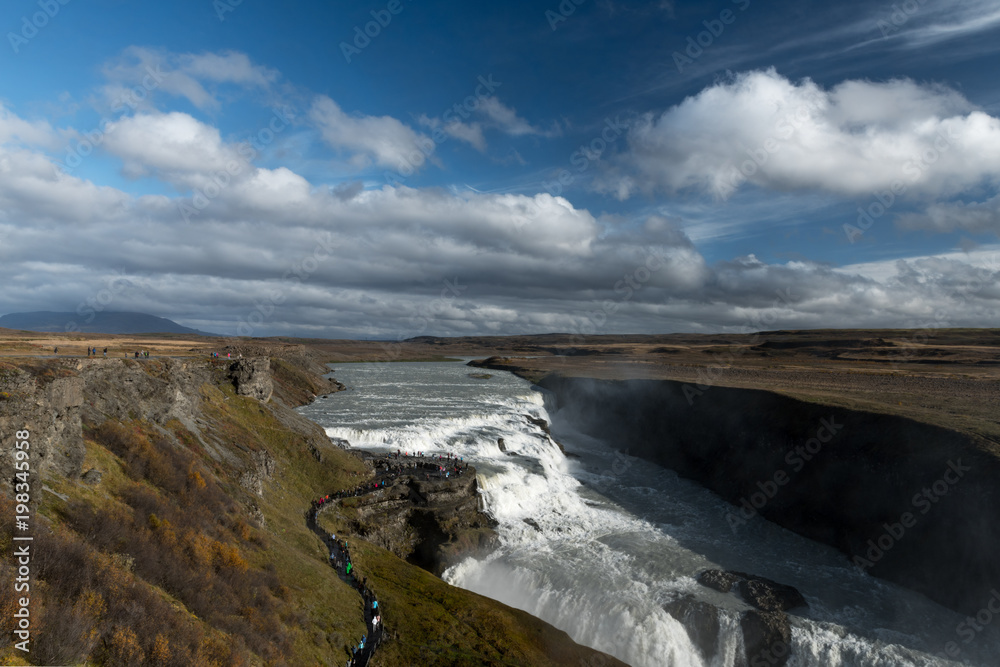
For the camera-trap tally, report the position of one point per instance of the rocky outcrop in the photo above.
(770, 595)
(767, 638)
(252, 377)
(261, 470)
(701, 620)
(49, 406)
(430, 523)
(767, 631)
(53, 399)
(760, 592)
(907, 501)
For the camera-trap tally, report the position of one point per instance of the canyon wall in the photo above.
(910, 502)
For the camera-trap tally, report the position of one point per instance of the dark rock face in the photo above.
(540, 423)
(700, 619)
(252, 377)
(431, 524)
(767, 634)
(719, 580)
(769, 595)
(767, 638)
(856, 479)
(762, 593)
(501, 444)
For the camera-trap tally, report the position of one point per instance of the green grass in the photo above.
(439, 624)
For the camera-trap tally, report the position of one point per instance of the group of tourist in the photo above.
(356, 491)
(92, 352)
(442, 465)
(389, 469)
(341, 561)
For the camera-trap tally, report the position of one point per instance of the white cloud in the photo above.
(853, 139)
(16, 130)
(382, 140)
(506, 119)
(470, 133)
(373, 262)
(172, 144)
(226, 67)
(973, 217)
(934, 24)
(182, 74)
(34, 193)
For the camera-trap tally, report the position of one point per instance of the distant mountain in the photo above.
(107, 322)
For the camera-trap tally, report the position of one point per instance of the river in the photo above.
(596, 542)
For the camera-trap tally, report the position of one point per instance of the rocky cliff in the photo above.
(55, 401)
(48, 404)
(189, 480)
(913, 503)
(431, 523)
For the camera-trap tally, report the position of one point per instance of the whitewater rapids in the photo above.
(596, 542)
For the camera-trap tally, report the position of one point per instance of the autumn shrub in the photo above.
(92, 608)
(204, 569)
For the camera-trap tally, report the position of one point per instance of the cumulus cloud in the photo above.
(35, 194)
(380, 140)
(16, 130)
(399, 261)
(181, 74)
(853, 139)
(973, 217)
(172, 143)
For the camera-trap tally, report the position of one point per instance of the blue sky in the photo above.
(516, 167)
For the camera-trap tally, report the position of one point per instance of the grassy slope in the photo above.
(439, 624)
(317, 613)
(330, 610)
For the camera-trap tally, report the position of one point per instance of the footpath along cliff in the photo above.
(170, 500)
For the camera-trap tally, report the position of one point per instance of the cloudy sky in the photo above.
(397, 168)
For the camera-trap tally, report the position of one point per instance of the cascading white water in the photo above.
(596, 543)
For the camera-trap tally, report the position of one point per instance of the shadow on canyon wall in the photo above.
(854, 480)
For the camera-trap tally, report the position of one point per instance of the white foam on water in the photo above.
(601, 565)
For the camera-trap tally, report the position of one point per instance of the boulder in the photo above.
(767, 633)
(767, 638)
(769, 595)
(719, 580)
(760, 592)
(700, 619)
